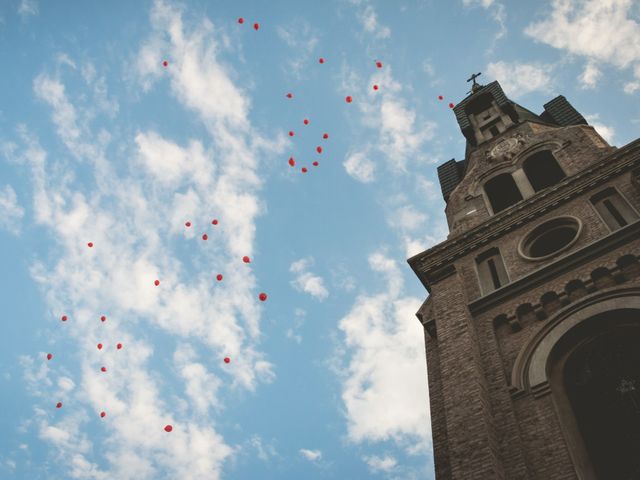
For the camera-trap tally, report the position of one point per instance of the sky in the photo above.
(103, 143)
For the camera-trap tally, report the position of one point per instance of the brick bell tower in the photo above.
(532, 322)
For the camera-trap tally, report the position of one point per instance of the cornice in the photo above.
(541, 276)
(427, 263)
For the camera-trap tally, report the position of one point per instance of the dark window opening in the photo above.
(550, 237)
(502, 192)
(602, 381)
(494, 130)
(479, 104)
(615, 213)
(494, 273)
(613, 209)
(542, 170)
(491, 271)
(552, 241)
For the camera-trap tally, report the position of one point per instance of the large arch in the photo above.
(548, 364)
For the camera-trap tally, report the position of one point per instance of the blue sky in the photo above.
(99, 142)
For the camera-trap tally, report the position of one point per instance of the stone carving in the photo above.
(505, 149)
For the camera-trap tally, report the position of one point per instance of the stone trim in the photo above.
(622, 160)
(529, 372)
(573, 260)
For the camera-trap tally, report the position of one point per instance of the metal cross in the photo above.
(473, 78)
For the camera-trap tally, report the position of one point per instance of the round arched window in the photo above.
(549, 238)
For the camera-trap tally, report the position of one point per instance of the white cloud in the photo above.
(369, 20)
(605, 131)
(172, 164)
(302, 39)
(11, 212)
(634, 85)
(590, 76)
(518, 79)
(311, 455)
(631, 87)
(265, 451)
(298, 320)
(360, 167)
(306, 281)
(27, 8)
(135, 218)
(401, 133)
(201, 385)
(381, 464)
(385, 377)
(482, 3)
(602, 32)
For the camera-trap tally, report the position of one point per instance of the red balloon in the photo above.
(440, 97)
(103, 318)
(59, 405)
(214, 221)
(49, 356)
(292, 161)
(99, 346)
(187, 224)
(291, 133)
(451, 105)
(325, 136)
(262, 297)
(349, 99)
(205, 237)
(315, 164)
(321, 60)
(119, 346)
(256, 26)
(227, 359)
(64, 318)
(156, 283)
(241, 20)
(305, 121)
(165, 63)
(103, 414)
(304, 169)
(90, 244)
(168, 428)
(219, 277)
(378, 64)
(375, 87)
(104, 369)
(319, 149)
(289, 95)
(246, 259)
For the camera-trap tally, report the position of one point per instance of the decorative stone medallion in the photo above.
(505, 149)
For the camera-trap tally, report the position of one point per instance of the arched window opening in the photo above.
(502, 192)
(613, 209)
(602, 382)
(542, 170)
(491, 272)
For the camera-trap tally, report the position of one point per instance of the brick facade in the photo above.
(485, 426)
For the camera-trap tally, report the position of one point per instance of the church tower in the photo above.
(532, 322)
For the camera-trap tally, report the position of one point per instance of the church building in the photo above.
(532, 319)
